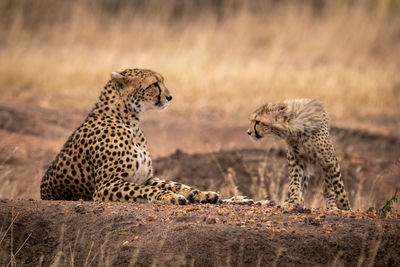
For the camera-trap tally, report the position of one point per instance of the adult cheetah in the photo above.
(303, 124)
(106, 158)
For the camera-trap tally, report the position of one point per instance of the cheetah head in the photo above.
(142, 88)
(269, 119)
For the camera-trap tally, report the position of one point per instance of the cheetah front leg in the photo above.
(193, 195)
(296, 186)
(121, 190)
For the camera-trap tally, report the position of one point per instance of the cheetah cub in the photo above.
(106, 158)
(303, 124)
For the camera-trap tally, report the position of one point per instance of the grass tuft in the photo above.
(387, 208)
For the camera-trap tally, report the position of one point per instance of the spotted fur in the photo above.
(106, 158)
(303, 124)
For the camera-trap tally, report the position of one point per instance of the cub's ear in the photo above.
(253, 117)
(118, 77)
(281, 107)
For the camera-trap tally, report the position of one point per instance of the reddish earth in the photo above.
(202, 235)
(209, 154)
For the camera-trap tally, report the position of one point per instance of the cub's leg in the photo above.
(193, 195)
(296, 175)
(121, 190)
(334, 186)
(336, 181)
(329, 194)
(304, 185)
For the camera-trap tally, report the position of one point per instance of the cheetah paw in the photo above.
(172, 198)
(265, 202)
(197, 196)
(179, 199)
(238, 200)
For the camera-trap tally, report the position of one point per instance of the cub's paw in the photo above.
(197, 196)
(238, 200)
(332, 207)
(343, 204)
(290, 205)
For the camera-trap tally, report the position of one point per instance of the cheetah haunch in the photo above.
(303, 124)
(106, 158)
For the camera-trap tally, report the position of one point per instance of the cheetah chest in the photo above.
(143, 165)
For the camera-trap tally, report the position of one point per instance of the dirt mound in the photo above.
(117, 234)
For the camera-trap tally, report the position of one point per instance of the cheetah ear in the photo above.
(118, 77)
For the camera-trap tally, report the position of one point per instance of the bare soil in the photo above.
(210, 154)
(204, 235)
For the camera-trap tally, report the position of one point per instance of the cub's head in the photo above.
(269, 119)
(141, 88)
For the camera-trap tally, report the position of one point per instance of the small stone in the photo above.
(152, 217)
(211, 220)
(80, 208)
(98, 209)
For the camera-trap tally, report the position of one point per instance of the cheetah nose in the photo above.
(169, 98)
(248, 132)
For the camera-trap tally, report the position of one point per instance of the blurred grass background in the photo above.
(220, 58)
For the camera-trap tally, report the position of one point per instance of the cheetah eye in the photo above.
(153, 84)
(256, 122)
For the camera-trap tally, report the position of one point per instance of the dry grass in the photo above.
(13, 251)
(9, 187)
(11, 174)
(219, 57)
